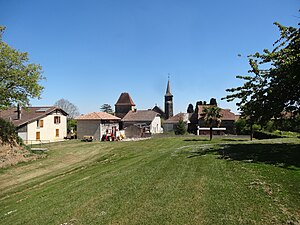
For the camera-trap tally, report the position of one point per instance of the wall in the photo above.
(155, 127)
(88, 128)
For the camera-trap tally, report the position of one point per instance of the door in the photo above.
(38, 136)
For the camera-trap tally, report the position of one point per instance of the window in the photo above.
(38, 136)
(40, 123)
(56, 119)
(57, 133)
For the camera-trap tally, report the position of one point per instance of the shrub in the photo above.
(180, 128)
(8, 133)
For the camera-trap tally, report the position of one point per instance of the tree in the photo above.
(106, 108)
(212, 115)
(180, 127)
(19, 78)
(272, 88)
(68, 107)
(190, 109)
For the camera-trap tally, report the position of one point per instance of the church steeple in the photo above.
(168, 101)
(168, 92)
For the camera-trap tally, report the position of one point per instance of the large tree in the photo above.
(106, 108)
(68, 107)
(273, 84)
(19, 79)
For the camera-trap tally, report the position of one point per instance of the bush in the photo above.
(8, 133)
(180, 128)
(265, 135)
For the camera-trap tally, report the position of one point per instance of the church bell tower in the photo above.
(168, 101)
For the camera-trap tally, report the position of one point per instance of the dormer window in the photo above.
(56, 119)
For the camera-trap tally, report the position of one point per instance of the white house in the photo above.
(38, 124)
(147, 117)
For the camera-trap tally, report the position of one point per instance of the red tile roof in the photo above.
(98, 116)
(226, 114)
(28, 114)
(125, 99)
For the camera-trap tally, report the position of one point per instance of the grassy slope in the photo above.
(157, 181)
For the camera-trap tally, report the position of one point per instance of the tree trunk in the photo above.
(210, 133)
(251, 131)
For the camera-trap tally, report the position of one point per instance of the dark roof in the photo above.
(28, 114)
(168, 91)
(125, 99)
(140, 115)
(98, 116)
(158, 110)
(226, 114)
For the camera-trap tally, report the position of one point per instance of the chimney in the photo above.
(19, 112)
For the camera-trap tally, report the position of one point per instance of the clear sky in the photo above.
(92, 50)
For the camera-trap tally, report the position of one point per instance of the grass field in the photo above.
(171, 180)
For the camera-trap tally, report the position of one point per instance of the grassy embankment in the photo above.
(158, 181)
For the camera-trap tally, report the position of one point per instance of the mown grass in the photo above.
(158, 181)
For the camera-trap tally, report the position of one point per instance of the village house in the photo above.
(38, 124)
(97, 124)
(197, 118)
(171, 123)
(147, 120)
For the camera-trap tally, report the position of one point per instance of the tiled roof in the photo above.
(98, 116)
(28, 114)
(177, 117)
(125, 99)
(226, 114)
(140, 115)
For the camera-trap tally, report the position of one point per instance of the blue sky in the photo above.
(93, 50)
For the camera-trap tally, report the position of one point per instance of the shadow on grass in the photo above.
(282, 155)
(194, 139)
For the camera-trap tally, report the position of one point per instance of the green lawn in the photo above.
(172, 180)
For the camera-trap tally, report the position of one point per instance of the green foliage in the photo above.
(273, 84)
(106, 108)
(72, 124)
(212, 115)
(180, 128)
(8, 134)
(19, 79)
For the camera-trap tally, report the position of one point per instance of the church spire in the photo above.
(168, 91)
(168, 101)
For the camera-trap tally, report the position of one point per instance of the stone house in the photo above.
(197, 118)
(170, 124)
(147, 117)
(96, 124)
(38, 124)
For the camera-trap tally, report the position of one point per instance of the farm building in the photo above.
(96, 124)
(147, 117)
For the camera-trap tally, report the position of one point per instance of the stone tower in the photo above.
(168, 102)
(124, 105)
